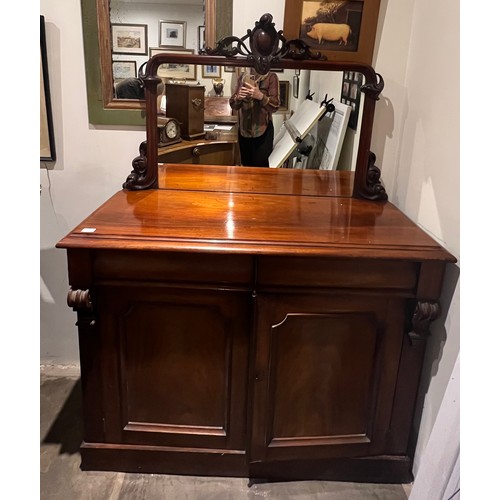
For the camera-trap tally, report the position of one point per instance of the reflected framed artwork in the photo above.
(175, 71)
(351, 95)
(211, 71)
(342, 31)
(124, 69)
(201, 38)
(284, 92)
(172, 34)
(129, 39)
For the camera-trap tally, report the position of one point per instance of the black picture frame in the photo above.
(284, 86)
(351, 95)
(47, 141)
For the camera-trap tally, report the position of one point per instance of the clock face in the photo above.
(172, 129)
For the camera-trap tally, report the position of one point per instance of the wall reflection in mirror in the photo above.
(312, 126)
(141, 28)
(304, 138)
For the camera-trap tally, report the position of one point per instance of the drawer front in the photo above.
(216, 154)
(173, 267)
(337, 273)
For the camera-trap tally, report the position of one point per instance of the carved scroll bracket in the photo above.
(136, 179)
(81, 302)
(423, 315)
(374, 90)
(376, 191)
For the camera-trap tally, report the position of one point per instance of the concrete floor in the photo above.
(62, 479)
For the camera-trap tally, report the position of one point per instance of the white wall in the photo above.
(415, 139)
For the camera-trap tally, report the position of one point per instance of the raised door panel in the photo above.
(325, 375)
(179, 373)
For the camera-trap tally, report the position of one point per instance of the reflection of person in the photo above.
(256, 98)
(133, 88)
(130, 88)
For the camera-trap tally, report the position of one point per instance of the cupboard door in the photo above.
(325, 375)
(176, 366)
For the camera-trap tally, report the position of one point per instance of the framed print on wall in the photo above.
(172, 34)
(47, 142)
(175, 71)
(343, 31)
(210, 71)
(124, 69)
(201, 38)
(129, 39)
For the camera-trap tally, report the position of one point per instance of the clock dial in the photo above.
(171, 129)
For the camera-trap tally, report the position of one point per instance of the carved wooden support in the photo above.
(423, 315)
(376, 190)
(136, 179)
(80, 301)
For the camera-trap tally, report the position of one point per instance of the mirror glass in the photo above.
(141, 28)
(327, 143)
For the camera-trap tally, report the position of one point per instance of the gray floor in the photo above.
(62, 479)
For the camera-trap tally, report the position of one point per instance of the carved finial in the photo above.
(373, 90)
(264, 49)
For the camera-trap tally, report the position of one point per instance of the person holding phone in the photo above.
(256, 98)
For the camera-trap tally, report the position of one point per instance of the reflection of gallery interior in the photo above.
(212, 327)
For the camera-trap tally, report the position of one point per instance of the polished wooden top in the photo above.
(255, 223)
(255, 180)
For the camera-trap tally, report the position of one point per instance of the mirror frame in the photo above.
(268, 50)
(103, 108)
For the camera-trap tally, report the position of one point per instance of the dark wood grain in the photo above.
(249, 223)
(251, 332)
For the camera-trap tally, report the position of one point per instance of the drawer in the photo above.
(337, 273)
(222, 153)
(173, 267)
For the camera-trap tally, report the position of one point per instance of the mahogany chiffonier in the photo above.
(240, 321)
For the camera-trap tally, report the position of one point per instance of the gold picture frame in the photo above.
(174, 71)
(129, 39)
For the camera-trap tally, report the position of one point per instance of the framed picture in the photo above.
(129, 39)
(124, 69)
(201, 37)
(175, 71)
(229, 69)
(172, 34)
(351, 95)
(342, 31)
(210, 71)
(295, 86)
(284, 91)
(47, 143)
